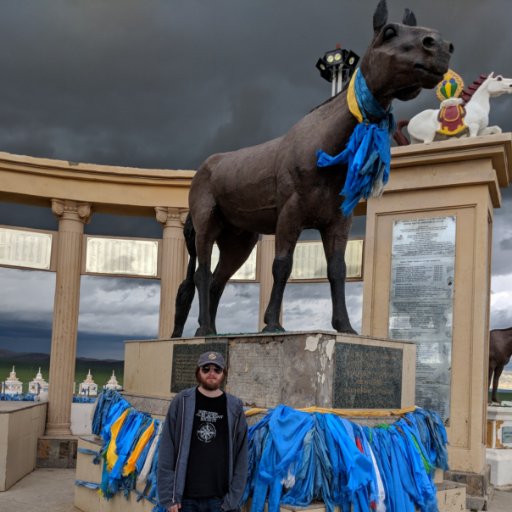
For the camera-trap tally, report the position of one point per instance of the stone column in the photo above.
(72, 217)
(173, 264)
(458, 178)
(267, 255)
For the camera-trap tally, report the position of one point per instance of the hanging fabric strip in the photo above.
(367, 154)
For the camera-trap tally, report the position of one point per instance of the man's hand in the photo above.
(174, 508)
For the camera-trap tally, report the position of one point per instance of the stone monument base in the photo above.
(300, 369)
(56, 452)
(450, 497)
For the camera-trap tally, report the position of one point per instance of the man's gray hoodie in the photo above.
(175, 446)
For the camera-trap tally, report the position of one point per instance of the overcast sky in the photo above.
(166, 83)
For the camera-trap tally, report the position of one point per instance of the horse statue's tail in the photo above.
(399, 136)
(186, 291)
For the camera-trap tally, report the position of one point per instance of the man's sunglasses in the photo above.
(206, 369)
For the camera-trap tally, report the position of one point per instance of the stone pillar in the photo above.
(460, 178)
(173, 264)
(267, 255)
(72, 217)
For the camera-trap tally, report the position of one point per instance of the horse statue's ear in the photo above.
(409, 18)
(380, 16)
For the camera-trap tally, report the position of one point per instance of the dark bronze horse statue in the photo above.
(277, 188)
(500, 351)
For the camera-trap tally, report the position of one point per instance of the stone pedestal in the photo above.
(499, 445)
(72, 217)
(301, 369)
(461, 179)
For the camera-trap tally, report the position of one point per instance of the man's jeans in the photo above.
(202, 505)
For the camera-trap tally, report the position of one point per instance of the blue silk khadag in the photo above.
(367, 153)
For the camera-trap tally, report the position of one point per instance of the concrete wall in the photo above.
(21, 424)
(81, 419)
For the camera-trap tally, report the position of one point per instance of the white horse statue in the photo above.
(423, 127)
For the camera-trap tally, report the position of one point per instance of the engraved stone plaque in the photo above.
(120, 256)
(421, 302)
(184, 363)
(506, 435)
(22, 248)
(255, 373)
(367, 377)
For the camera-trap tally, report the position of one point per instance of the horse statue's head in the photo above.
(497, 85)
(402, 58)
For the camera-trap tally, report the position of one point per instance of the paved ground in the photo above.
(52, 490)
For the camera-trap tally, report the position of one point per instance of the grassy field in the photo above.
(101, 372)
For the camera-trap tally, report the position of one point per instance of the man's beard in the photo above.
(210, 386)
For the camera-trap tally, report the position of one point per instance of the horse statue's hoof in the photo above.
(273, 328)
(205, 331)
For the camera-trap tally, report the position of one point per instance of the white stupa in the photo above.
(13, 385)
(88, 387)
(112, 383)
(38, 386)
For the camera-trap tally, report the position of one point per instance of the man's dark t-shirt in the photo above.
(207, 470)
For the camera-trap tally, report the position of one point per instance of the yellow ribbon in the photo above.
(129, 467)
(111, 455)
(351, 99)
(374, 413)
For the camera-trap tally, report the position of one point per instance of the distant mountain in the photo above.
(37, 357)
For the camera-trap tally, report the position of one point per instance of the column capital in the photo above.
(170, 216)
(75, 210)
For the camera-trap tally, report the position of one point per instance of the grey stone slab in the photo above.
(367, 377)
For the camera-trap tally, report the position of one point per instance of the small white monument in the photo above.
(88, 387)
(13, 385)
(112, 383)
(38, 386)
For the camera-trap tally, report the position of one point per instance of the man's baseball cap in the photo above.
(211, 358)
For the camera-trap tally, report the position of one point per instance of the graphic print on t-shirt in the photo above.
(207, 431)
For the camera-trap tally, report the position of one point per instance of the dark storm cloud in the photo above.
(165, 83)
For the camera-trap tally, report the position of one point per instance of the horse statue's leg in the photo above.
(334, 239)
(234, 249)
(186, 290)
(495, 380)
(208, 227)
(287, 234)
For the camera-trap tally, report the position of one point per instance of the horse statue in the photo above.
(280, 187)
(425, 126)
(500, 351)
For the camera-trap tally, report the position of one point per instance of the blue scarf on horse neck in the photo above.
(367, 152)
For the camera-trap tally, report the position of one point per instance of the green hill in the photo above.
(27, 365)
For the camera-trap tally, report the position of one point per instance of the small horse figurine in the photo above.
(279, 188)
(500, 351)
(423, 127)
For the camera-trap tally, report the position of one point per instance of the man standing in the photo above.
(202, 460)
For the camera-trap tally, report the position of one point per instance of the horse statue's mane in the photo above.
(468, 92)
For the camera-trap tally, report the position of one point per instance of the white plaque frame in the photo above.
(25, 248)
(421, 302)
(121, 256)
(310, 265)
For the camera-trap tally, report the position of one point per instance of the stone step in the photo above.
(451, 497)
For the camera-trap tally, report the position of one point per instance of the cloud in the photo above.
(164, 83)
(119, 306)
